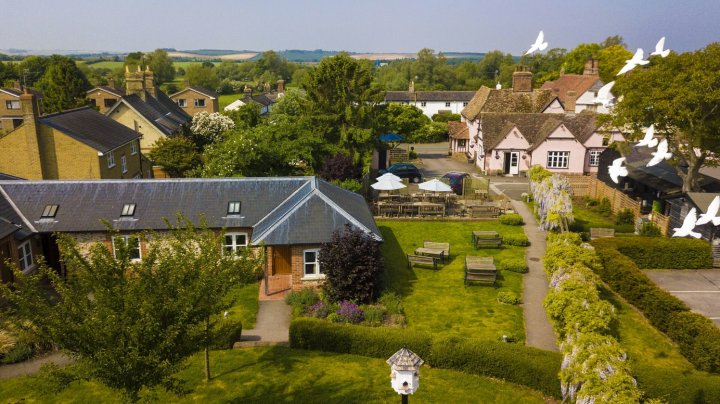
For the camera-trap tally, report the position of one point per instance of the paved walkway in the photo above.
(33, 366)
(538, 331)
(271, 327)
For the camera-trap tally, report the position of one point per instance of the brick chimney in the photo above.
(281, 86)
(411, 86)
(17, 85)
(570, 101)
(111, 82)
(522, 79)
(149, 79)
(592, 67)
(30, 125)
(134, 82)
(248, 91)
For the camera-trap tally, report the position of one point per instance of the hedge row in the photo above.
(511, 219)
(518, 364)
(669, 253)
(520, 240)
(697, 337)
(664, 384)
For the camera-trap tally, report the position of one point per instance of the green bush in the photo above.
(650, 229)
(305, 297)
(374, 315)
(604, 208)
(511, 219)
(18, 353)
(520, 240)
(591, 202)
(667, 253)
(350, 184)
(508, 297)
(664, 384)
(698, 338)
(392, 303)
(513, 265)
(625, 216)
(226, 333)
(412, 155)
(519, 364)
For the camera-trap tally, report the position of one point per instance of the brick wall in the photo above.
(297, 269)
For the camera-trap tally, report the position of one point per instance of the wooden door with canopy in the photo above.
(282, 260)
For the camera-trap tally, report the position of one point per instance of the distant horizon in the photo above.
(371, 26)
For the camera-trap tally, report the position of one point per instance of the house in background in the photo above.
(76, 144)
(11, 115)
(288, 217)
(577, 92)
(194, 99)
(459, 136)
(266, 100)
(148, 111)
(104, 97)
(431, 102)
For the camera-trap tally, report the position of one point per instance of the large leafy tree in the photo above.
(63, 85)
(132, 324)
(162, 66)
(202, 75)
(177, 154)
(680, 95)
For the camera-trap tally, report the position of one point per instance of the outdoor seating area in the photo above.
(480, 269)
(482, 238)
(433, 249)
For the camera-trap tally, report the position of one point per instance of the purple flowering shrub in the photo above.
(350, 312)
(318, 310)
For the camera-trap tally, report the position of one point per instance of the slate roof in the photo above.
(112, 90)
(10, 221)
(4, 177)
(507, 100)
(458, 130)
(162, 111)
(535, 127)
(282, 210)
(91, 128)
(17, 92)
(580, 83)
(202, 90)
(701, 199)
(441, 96)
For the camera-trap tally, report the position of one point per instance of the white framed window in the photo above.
(595, 158)
(558, 159)
(123, 163)
(465, 103)
(200, 102)
(423, 104)
(234, 242)
(447, 104)
(25, 256)
(133, 246)
(234, 207)
(111, 159)
(181, 102)
(133, 148)
(311, 263)
(12, 104)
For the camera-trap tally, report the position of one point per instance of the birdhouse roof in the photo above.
(405, 359)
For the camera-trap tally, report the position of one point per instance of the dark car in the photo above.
(456, 181)
(404, 170)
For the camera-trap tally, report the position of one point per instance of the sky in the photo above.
(404, 26)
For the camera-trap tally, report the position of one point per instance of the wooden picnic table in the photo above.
(432, 252)
(480, 269)
(486, 237)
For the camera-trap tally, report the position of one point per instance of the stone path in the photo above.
(538, 331)
(272, 326)
(33, 366)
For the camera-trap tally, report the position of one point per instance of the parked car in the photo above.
(456, 180)
(404, 170)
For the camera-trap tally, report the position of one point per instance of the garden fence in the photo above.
(591, 187)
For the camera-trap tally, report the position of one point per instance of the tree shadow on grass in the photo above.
(397, 276)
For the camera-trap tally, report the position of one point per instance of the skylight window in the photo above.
(233, 208)
(128, 209)
(49, 211)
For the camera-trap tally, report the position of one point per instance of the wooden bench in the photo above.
(422, 260)
(480, 269)
(599, 232)
(485, 211)
(482, 238)
(445, 247)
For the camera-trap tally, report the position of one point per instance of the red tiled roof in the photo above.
(580, 83)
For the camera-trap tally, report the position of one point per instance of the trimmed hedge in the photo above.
(667, 253)
(664, 384)
(226, 333)
(520, 240)
(513, 265)
(511, 219)
(697, 337)
(518, 364)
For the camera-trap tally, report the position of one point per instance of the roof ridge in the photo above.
(15, 208)
(67, 111)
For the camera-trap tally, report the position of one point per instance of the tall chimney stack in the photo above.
(522, 79)
(592, 67)
(149, 79)
(248, 91)
(281, 86)
(570, 101)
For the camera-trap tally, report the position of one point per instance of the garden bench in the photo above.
(480, 269)
(486, 238)
(445, 247)
(485, 211)
(598, 232)
(422, 260)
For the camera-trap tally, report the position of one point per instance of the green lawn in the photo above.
(437, 302)
(226, 99)
(284, 375)
(246, 304)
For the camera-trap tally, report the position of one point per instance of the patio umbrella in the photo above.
(391, 137)
(435, 186)
(390, 176)
(387, 185)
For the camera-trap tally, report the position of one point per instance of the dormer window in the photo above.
(233, 208)
(128, 210)
(49, 212)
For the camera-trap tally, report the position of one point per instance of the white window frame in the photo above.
(465, 103)
(594, 159)
(133, 148)
(558, 159)
(423, 103)
(126, 239)
(123, 163)
(13, 104)
(198, 101)
(234, 246)
(181, 102)
(111, 159)
(447, 104)
(317, 272)
(25, 257)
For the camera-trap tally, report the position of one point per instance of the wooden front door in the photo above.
(282, 263)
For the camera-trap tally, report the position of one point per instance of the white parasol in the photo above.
(435, 186)
(387, 185)
(389, 176)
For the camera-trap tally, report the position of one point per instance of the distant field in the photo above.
(107, 64)
(231, 57)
